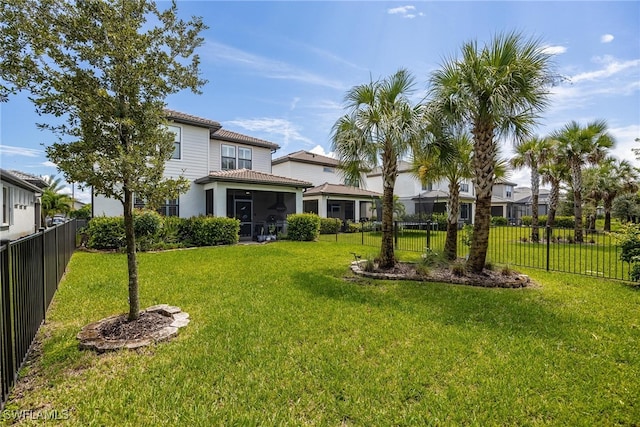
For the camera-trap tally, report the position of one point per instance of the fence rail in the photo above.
(31, 270)
(554, 249)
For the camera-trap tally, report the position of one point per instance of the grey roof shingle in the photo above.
(189, 119)
(31, 179)
(17, 181)
(307, 157)
(227, 135)
(252, 177)
(340, 190)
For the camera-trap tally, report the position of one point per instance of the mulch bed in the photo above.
(121, 329)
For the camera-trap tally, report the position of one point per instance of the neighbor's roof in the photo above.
(403, 166)
(9, 177)
(31, 179)
(440, 195)
(340, 190)
(227, 135)
(307, 157)
(252, 177)
(188, 119)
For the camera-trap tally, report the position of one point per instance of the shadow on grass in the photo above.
(513, 311)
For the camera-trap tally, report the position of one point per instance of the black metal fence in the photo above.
(31, 270)
(552, 249)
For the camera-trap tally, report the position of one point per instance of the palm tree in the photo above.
(577, 146)
(498, 91)
(52, 200)
(610, 179)
(532, 153)
(554, 173)
(453, 163)
(381, 125)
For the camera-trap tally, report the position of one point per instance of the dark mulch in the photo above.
(121, 329)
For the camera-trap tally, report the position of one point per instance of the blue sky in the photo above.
(279, 70)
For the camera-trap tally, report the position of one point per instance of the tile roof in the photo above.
(188, 119)
(227, 135)
(307, 157)
(440, 195)
(252, 177)
(340, 190)
(15, 180)
(31, 179)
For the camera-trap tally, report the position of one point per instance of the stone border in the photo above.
(518, 281)
(91, 339)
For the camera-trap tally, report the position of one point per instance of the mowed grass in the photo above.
(283, 334)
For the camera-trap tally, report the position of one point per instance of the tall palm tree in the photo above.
(553, 173)
(610, 179)
(498, 90)
(380, 126)
(450, 160)
(53, 203)
(577, 146)
(532, 153)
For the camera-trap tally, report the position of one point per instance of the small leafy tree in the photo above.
(629, 241)
(107, 67)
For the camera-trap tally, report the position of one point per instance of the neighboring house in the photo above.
(425, 199)
(503, 202)
(20, 204)
(230, 176)
(330, 197)
(523, 203)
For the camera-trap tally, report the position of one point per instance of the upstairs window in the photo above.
(177, 141)
(228, 157)
(244, 158)
(464, 187)
(509, 192)
(6, 206)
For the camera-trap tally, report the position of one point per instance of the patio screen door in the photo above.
(244, 214)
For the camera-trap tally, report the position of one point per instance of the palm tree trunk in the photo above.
(535, 192)
(554, 198)
(608, 204)
(576, 178)
(484, 167)
(451, 242)
(389, 172)
(132, 263)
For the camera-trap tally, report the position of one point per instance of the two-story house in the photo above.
(503, 202)
(230, 176)
(330, 197)
(425, 199)
(20, 204)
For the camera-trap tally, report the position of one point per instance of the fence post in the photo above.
(43, 255)
(428, 234)
(548, 245)
(395, 233)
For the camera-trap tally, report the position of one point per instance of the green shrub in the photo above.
(170, 232)
(209, 231)
(353, 227)
(146, 223)
(499, 220)
(559, 222)
(303, 227)
(629, 241)
(330, 225)
(82, 213)
(106, 233)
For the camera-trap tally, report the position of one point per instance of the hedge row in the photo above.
(154, 231)
(560, 221)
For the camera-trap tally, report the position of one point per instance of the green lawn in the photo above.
(279, 337)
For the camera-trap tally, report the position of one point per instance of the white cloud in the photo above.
(405, 11)
(10, 150)
(606, 38)
(280, 131)
(554, 50)
(611, 67)
(625, 140)
(49, 164)
(294, 103)
(266, 67)
(319, 149)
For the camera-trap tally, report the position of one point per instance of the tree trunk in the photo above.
(451, 242)
(576, 178)
(389, 173)
(608, 204)
(554, 197)
(484, 168)
(132, 263)
(535, 191)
